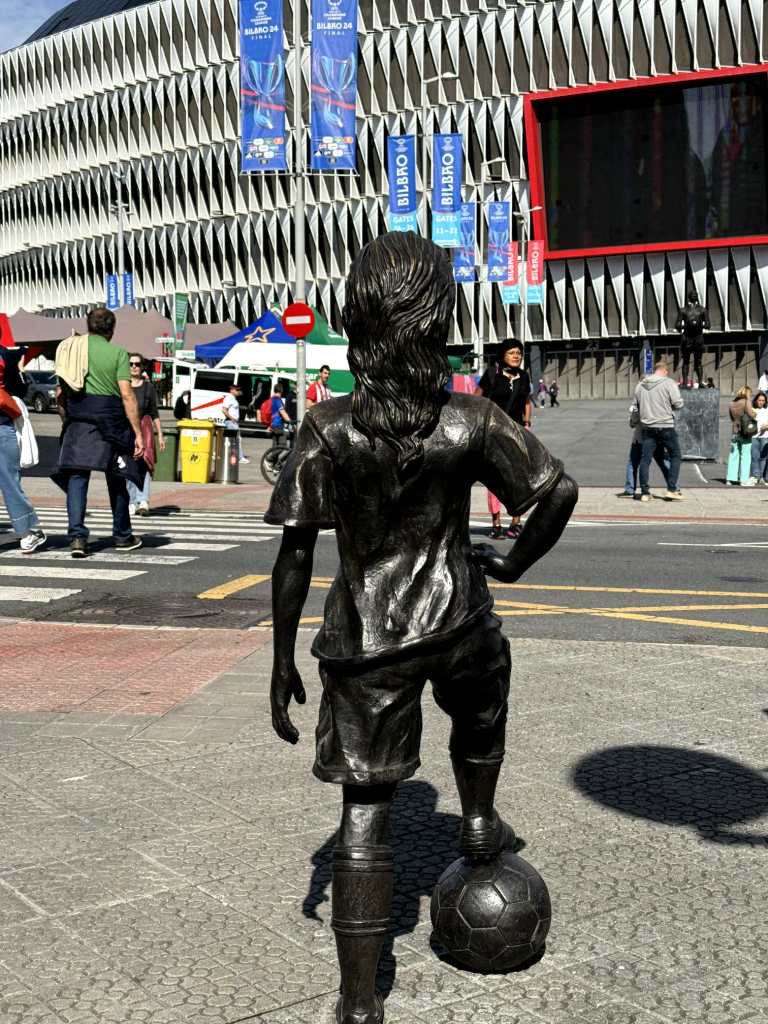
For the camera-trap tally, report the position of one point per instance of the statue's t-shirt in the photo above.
(406, 579)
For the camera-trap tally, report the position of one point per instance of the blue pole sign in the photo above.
(262, 85)
(464, 257)
(113, 299)
(333, 86)
(498, 241)
(401, 170)
(447, 172)
(127, 289)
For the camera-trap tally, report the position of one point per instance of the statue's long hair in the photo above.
(399, 301)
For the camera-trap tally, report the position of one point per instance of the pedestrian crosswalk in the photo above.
(171, 538)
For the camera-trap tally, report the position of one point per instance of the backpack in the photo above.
(265, 411)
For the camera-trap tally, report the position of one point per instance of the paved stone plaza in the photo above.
(174, 865)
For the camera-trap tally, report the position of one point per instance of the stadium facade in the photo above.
(152, 91)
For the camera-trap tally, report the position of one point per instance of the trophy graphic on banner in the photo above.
(264, 78)
(335, 76)
(498, 247)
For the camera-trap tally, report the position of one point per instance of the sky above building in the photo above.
(20, 18)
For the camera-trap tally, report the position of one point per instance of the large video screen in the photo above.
(657, 164)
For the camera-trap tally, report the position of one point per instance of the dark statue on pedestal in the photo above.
(390, 468)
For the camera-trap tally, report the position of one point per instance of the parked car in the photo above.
(41, 390)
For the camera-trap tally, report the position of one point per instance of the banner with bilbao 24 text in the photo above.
(401, 171)
(262, 86)
(333, 85)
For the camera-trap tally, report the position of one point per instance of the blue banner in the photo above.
(510, 294)
(464, 257)
(498, 241)
(534, 295)
(127, 289)
(447, 168)
(333, 86)
(262, 85)
(113, 299)
(401, 171)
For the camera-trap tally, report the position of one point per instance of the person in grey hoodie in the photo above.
(657, 397)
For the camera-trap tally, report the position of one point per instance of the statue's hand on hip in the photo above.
(286, 684)
(494, 564)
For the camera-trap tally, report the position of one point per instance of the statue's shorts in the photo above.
(370, 719)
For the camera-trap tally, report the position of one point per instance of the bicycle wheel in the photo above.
(272, 461)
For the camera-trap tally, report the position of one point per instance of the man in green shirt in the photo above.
(102, 432)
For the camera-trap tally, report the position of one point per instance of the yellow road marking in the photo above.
(622, 590)
(225, 589)
(689, 608)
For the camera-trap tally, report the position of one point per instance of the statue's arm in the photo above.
(541, 532)
(291, 577)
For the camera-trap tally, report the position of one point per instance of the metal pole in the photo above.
(479, 346)
(523, 282)
(424, 150)
(299, 255)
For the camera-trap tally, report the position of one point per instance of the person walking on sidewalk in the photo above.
(23, 517)
(101, 429)
(657, 398)
(744, 428)
(554, 391)
(759, 468)
(149, 418)
(631, 488)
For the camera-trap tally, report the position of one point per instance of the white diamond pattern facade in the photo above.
(154, 92)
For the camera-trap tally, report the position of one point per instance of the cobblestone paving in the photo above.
(174, 868)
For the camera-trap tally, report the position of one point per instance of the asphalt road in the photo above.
(662, 582)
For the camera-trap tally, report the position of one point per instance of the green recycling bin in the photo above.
(167, 463)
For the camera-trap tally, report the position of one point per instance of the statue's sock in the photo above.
(362, 900)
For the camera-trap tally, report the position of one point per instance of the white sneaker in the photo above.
(646, 497)
(751, 482)
(245, 462)
(32, 541)
(674, 496)
(142, 509)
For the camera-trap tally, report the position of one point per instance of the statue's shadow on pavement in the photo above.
(424, 843)
(676, 786)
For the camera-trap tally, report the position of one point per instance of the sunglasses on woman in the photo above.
(133, 363)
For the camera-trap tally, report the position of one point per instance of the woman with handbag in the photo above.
(758, 473)
(743, 429)
(23, 517)
(150, 422)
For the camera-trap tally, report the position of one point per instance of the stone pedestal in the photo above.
(698, 424)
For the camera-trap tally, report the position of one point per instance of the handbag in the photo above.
(747, 427)
(25, 435)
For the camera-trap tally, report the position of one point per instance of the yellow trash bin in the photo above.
(196, 447)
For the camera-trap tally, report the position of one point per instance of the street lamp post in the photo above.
(479, 346)
(119, 207)
(523, 221)
(299, 287)
(425, 83)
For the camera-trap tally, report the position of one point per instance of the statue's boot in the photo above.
(377, 1017)
(484, 834)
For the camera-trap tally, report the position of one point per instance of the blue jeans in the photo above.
(759, 466)
(667, 438)
(77, 499)
(139, 494)
(633, 465)
(22, 515)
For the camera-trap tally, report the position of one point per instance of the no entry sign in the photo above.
(298, 319)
